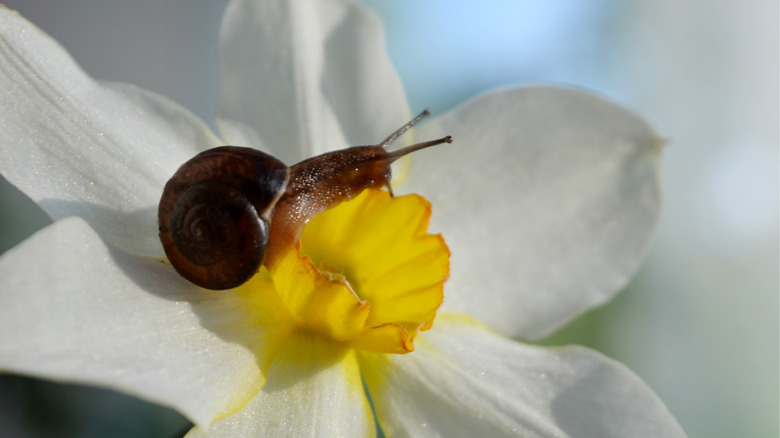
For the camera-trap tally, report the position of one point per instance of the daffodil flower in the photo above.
(545, 202)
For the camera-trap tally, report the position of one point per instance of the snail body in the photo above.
(230, 209)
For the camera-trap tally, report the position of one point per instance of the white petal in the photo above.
(80, 148)
(314, 390)
(73, 309)
(547, 199)
(302, 77)
(463, 380)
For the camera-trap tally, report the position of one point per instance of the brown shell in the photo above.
(215, 211)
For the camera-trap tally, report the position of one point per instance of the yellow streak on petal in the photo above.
(252, 315)
(315, 376)
(312, 352)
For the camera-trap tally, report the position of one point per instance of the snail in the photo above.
(230, 209)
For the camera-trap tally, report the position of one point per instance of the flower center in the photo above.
(367, 273)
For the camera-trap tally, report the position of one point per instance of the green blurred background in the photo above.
(699, 323)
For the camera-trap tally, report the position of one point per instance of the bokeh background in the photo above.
(700, 321)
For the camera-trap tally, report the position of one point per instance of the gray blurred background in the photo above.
(699, 323)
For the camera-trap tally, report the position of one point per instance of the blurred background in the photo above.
(700, 321)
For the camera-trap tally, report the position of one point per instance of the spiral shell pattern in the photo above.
(215, 213)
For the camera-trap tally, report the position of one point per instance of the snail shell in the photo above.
(215, 212)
